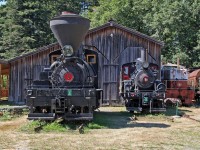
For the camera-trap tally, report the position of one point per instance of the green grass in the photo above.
(93, 125)
(110, 119)
(47, 126)
(6, 116)
(55, 127)
(10, 114)
(30, 126)
(170, 111)
(102, 120)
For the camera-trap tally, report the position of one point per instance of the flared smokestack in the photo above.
(69, 29)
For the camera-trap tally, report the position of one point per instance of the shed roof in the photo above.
(109, 24)
(33, 52)
(195, 73)
(114, 24)
(3, 61)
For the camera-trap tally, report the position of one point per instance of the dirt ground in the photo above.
(148, 132)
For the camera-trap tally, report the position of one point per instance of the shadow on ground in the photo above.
(117, 120)
(5, 102)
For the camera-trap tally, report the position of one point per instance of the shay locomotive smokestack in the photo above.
(69, 29)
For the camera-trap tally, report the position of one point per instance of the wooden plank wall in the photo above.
(112, 41)
(26, 69)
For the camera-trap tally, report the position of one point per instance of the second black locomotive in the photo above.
(140, 86)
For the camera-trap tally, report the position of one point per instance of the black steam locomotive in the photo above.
(68, 88)
(140, 87)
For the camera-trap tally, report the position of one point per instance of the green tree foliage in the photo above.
(176, 22)
(24, 24)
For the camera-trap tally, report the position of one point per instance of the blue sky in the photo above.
(1, 3)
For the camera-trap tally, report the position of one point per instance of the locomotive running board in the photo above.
(41, 116)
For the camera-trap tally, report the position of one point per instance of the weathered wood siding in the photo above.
(119, 47)
(25, 69)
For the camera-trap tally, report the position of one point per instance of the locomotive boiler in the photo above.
(68, 87)
(140, 86)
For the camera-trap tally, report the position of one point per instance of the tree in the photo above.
(25, 24)
(176, 22)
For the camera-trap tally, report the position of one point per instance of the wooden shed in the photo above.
(117, 45)
(25, 69)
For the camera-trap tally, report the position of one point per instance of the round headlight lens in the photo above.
(67, 50)
(145, 64)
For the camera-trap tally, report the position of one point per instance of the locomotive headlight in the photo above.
(29, 92)
(145, 64)
(67, 50)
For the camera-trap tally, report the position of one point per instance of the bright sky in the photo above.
(1, 3)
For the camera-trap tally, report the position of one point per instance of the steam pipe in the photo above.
(143, 57)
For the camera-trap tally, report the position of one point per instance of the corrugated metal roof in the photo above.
(195, 73)
(114, 24)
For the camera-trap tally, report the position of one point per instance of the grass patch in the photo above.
(102, 120)
(6, 116)
(11, 114)
(43, 126)
(55, 127)
(93, 125)
(110, 119)
(30, 126)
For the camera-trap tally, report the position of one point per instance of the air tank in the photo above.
(69, 29)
